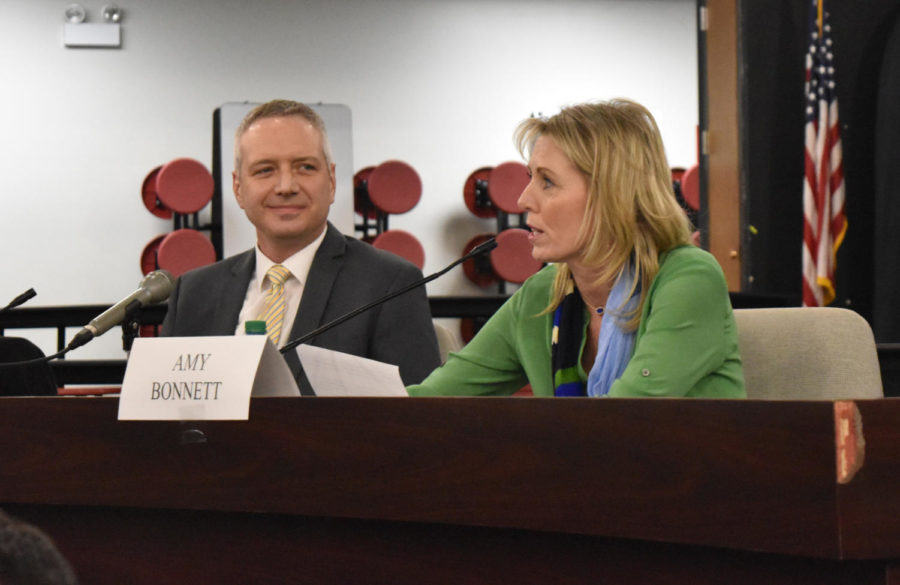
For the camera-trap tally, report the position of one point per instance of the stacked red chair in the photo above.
(494, 192)
(391, 188)
(177, 190)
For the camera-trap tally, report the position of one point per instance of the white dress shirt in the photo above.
(299, 265)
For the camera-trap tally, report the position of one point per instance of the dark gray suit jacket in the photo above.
(345, 275)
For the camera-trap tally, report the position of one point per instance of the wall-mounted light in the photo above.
(75, 14)
(111, 13)
(78, 33)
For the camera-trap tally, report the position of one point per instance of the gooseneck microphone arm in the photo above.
(5, 365)
(477, 251)
(28, 294)
(22, 298)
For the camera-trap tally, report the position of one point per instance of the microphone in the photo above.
(476, 251)
(28, 294)
(156, 286)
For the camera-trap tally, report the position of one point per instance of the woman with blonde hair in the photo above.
(627, 306)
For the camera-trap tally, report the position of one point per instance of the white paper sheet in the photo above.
(333, 373)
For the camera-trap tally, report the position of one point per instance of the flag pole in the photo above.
(819, 6)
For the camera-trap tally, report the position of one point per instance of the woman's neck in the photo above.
(594, 292)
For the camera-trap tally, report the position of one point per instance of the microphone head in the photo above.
(21, 299)
(159, 284)
(484, 247)
(27, 295)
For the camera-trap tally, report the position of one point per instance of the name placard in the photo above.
(201, 378)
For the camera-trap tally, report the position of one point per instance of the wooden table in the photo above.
(462, 490)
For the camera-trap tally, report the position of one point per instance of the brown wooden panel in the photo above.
(458, 490)
(739, 474)
(724, 192)
(147, 547)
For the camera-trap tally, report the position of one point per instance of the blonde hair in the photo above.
(281, 109)
(632, 213)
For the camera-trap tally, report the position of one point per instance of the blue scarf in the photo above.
(615, 344)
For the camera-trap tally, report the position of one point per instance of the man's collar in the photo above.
(298, 263)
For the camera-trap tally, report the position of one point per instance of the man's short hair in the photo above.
(282, 109)
(27, 555)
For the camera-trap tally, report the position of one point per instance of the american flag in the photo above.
(824, 223)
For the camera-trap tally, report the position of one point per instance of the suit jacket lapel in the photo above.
(233, 292)
(319, 282)
(316, 291)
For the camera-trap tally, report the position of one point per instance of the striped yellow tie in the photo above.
(273, 312)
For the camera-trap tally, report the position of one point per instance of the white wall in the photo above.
(440, 84)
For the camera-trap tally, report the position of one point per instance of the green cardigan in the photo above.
(686, 343)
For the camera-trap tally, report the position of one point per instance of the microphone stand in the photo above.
(478, 250)
(130, 325)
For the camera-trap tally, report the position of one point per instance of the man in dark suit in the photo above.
(284, 181)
